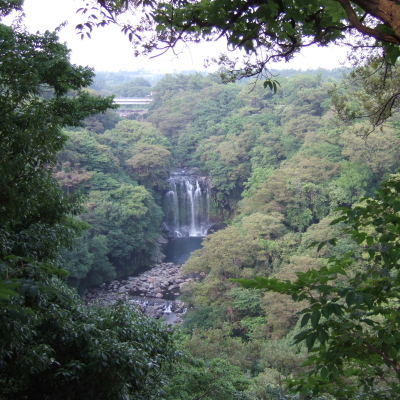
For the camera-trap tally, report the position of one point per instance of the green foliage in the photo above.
(78, 260)
(264, 33)
(246, 302)
(222, 255)
(69, 351)
(298, 162)
(101, 122)
(351, 321)
(150, 165)
(126, 134)
(36, 77)
(124, 217)
(368, 93)
(299, 188)
(138, 87)
(204, 317)
(124, 225)
(212, 380)
(52, 344)
(83, 150)
(7, 6)
(31, 137)
(378, 150)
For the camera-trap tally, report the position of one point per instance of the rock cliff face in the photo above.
(154, 292)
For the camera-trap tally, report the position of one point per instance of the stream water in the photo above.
(178, 250)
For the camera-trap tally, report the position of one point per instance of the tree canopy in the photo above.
(52, 344)
(298, 163)
(36, 79)
(267, 31)
(351, 319)
(264, 31)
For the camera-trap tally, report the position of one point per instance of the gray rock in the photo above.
(151, 311)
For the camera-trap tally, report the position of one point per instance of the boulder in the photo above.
(151, 311)
(162, 240)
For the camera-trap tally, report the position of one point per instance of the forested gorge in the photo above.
(297, 287)
(279, 166)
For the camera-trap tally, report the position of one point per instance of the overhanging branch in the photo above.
(351, 15)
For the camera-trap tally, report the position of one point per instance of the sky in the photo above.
(110, 50)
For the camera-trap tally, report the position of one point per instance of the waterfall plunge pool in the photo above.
(178, 250)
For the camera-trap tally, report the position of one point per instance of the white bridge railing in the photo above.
(127, 100)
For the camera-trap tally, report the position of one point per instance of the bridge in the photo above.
(127, 100)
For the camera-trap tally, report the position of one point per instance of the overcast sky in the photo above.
(110, 50)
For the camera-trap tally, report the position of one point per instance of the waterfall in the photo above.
(172, 197)
(186, 206)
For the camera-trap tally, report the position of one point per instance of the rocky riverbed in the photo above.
(154, 292)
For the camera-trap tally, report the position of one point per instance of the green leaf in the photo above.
(392, 53)
(337, 220)
(369, 322)
(360, 237)
(321, 245)
(6, 293)
(332, 241)
(271, 84)
(305, 319)
(33, 291)
(322, 335)
(315, 317)
(337, 309)
(350, 298)
(310, 340)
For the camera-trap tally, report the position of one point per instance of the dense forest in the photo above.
(298, 295)
(279, 166)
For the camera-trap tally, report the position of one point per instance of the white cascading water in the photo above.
(172, 198)
(191, 208)
(187, 207)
